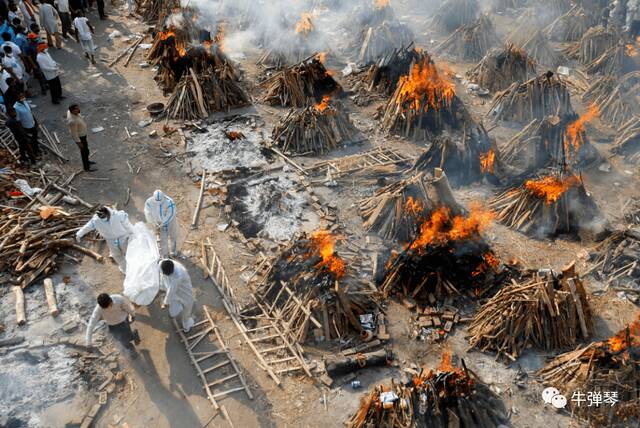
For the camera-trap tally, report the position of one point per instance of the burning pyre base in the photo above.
(617, 61)
(500, 68)
(616, 99)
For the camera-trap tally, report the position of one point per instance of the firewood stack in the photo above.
(501, 68)
(396, 211)
(570, 26)
(608, 367)
(41, 229)
(596, 41)
(292, 47)
(627, 141)
(617, 60)
(309, 287)
(379, 41)
(616, 99)
(153, 11)
(631, 211)
(548, 206)
(168, 52)
(315, 129)
(504, 5)
(455, 13)
(539, 49)
(537, 98)
(447, 257)
(542, 310)
(300, 85)
(442, 398)
(471, 41)
(616, 260)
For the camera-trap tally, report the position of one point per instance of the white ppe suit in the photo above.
(160, 211)
(116, 230)
(179, 297)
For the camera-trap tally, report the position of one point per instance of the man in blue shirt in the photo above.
(28, 121)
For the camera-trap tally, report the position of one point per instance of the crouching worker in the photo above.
(118, 313)
(115, 228)
(175, 280)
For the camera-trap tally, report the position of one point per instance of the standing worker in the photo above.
(26, 151)
(65, 16)
(115, 228)
(160, 211)
(175, 280)
(51, 71)
(78, 130)
(117, 312)
(84, 35)
(49, 21)
(28, 121)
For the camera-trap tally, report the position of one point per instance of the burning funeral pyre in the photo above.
(292, 47)
(309, 283)
(627, 141)
(300, 85)
(455, 13)
(396, 211)
(537, 98)
(617, 60)
(441, 398)
(548, 206)
(154, 11)
(610, 369)
(470, 42)
(616, 99)
(616, 260)
(570, 26)
(543, 310)
(596, 41)
(447, 257)
(538, 49)
(316, 129)
(501, 68)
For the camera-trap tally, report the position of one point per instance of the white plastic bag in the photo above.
(142, 282)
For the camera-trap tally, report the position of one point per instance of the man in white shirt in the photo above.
(51, 71)
(12, 64)
(84, 35)
(118, 313)
(65, 15)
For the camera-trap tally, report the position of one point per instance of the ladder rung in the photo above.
(217, 366)
(199, 339)
(206, 355)
(223, 380)
(264, 327)
(288, 369)
(200, 323)
(200, 333)
(228, 391)
(260, 339)
(282, 360)
(275, 348)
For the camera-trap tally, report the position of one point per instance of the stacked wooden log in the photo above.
(616, 99)
(315, 129)
(539, 49)
(300, 85)
(154, 11)
(285, 52)
(616, 61)
(616, 260)
(537, 98)
(542, 310)
(548, 206)
(627, 141)
(309, 286)
(501, 68)
(397, 210)
(631, 211)
(570, 26)
(441, 398)
(455, 13)
(609, 367)
(504, 5)
(471, 41)
(38, 229)
(379, 41)
(168, 53)
(596, 41)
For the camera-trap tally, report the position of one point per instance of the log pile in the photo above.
(548, 206)
(616, 99)
(616, 61)
(537, 98)
(570, 26)
(154, 11)
(377, 42)
(542, 310)
(538, 49)
(37, 231)
(396, 211)
(455, 13)
(471, 41)
(168, 53)
(442, 398)
(609, 367)
(501, 68)
(315, 129)
(504, 5)
(596, 41)
(309, 286)
(627, 141)
(300, 85)
(631, 211)
(291, 47)
(616, 260)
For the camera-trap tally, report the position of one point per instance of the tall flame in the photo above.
(551, 187)
(322, 105)
(487, 162)
(630, 333)
(630, 50)
(324, 242)
(576, 131)
(305, 25)
(424, 87)
(413, 206)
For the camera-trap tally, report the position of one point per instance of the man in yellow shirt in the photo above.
(78, 130)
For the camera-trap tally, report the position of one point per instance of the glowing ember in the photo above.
(413, 206)
(575, 132)
(487, 162)
(425, 88)
(380, 4)
(630, 50)
(630, 335)
(490, 262)
(551, 187)
(441, 227)
(322, 105)
(164, 35)
(324, 242)
(305, 26)
(235, 135)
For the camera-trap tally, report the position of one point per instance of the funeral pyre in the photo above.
(605, 372)
(627, 141)
(616, 99)
(300, 85)
(470, 42)
(542, 96)
(618, 60)
(540, 51)
(616, 261)
(310, 287)
(154, 11)
(501, 68)
(570, 26)
(291, 47)
(596, 41)
(445, 397)
(316, 129)
(550, 205)
(455, 13)
(541, 310)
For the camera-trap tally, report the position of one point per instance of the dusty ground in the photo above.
(161, 387)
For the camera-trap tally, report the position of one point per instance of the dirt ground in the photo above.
(161, 388)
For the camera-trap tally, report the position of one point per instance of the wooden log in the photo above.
(51, 297)
(21, 318)
(340, 365)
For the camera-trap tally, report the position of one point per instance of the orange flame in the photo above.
(575, 132)
(380, 4)
(619, 342)
(445, 362)
(322, 57)
(630, 50)
(305, 25)
(413, 206)
(324, 242)
(164, 35)
(490, 262)
(424, 86)
(322, 105)
(219, 38)
(487, 162)
(441, 227)
(551, 187)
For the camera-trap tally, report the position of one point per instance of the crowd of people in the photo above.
(28, 30)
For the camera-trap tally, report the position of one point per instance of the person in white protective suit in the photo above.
(175, 279)
(160, 211)
(115, 228)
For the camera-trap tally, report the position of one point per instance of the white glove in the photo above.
(78, 238)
